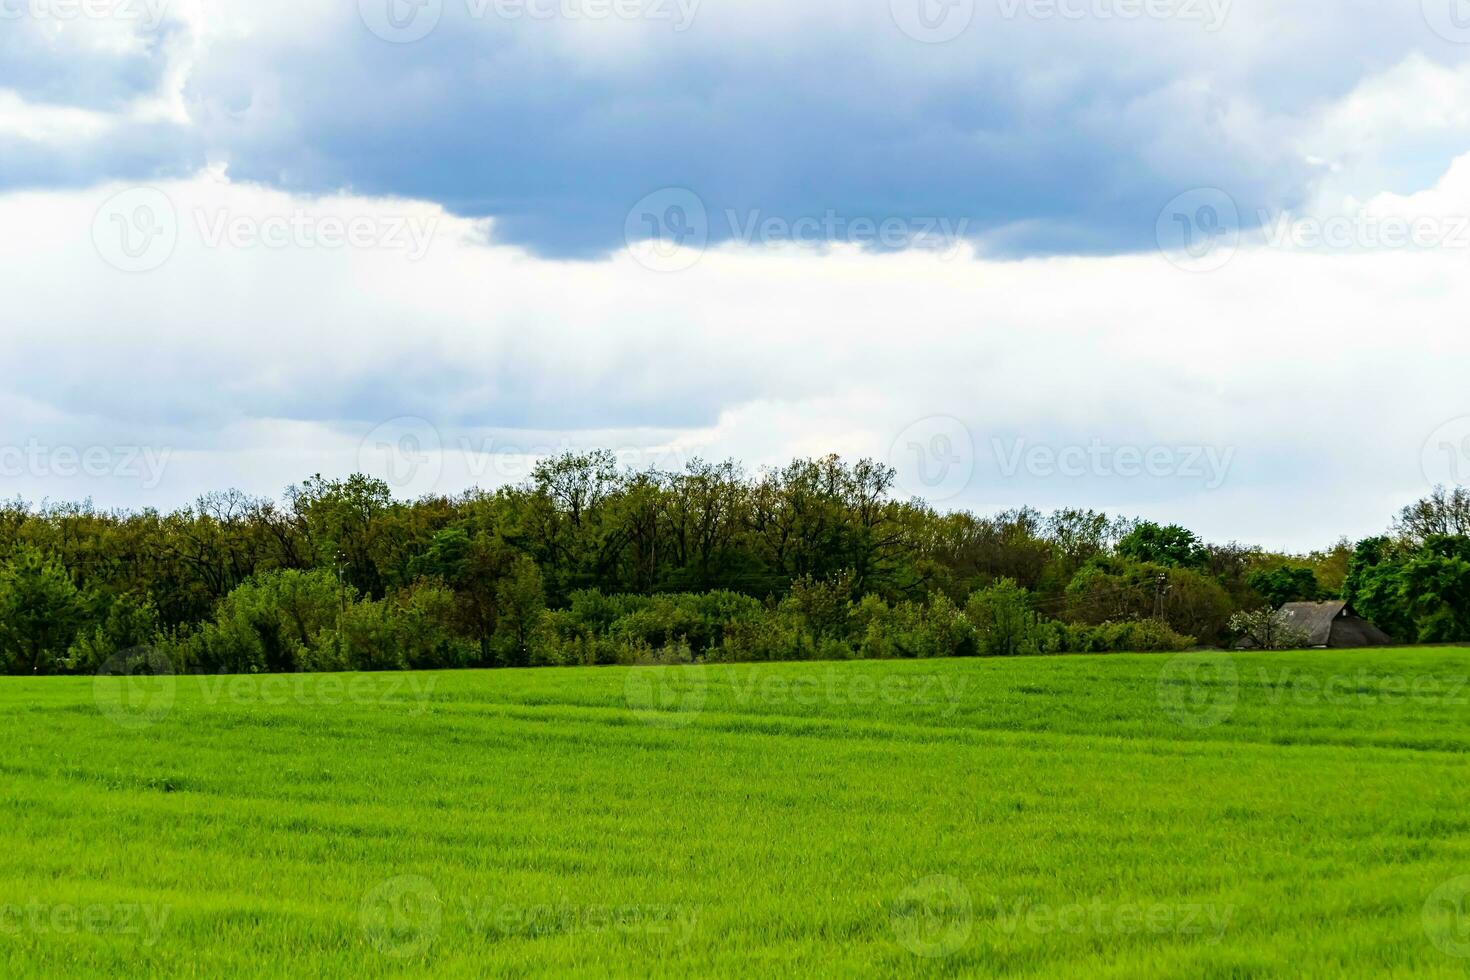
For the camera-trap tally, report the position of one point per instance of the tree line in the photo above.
(587, 563)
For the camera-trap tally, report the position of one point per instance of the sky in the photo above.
(1202, 261)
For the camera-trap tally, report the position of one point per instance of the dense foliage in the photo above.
(589, 564)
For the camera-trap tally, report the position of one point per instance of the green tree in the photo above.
(521, 599)
(1005, 625)
(277, 622)
(130, 623)
(1286, 583)
(1173, 545)
(40, 613)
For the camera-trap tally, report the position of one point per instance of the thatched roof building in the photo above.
(1333, 624)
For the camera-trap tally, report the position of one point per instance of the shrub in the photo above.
(1268, 629)
(1003, 621)
(1129, 636)
(129, 624)
(272, 623)
(40, 613)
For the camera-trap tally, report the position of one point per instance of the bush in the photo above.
(1129, 636)
(1003, 621)
(129, 624)
(40, 614)
(278, 622)
(1120, 590)
(1268, 629)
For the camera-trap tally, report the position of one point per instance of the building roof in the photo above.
(1314, 619)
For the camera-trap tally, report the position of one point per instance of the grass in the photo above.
(1300, 814)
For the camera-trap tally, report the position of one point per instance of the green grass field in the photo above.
(1253, 815)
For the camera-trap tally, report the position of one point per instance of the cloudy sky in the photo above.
(1198, 260)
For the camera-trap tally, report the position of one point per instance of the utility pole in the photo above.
(1161, 585)
(341, 604)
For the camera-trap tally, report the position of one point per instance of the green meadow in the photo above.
(1298, 814)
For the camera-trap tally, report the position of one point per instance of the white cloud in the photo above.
(1322, 374)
